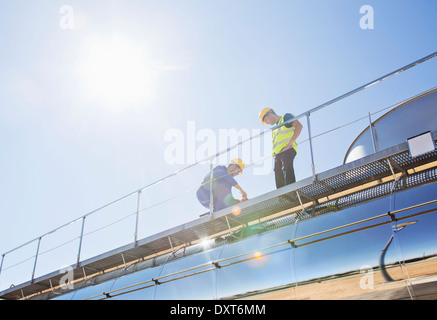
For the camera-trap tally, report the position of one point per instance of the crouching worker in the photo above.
(222, 183)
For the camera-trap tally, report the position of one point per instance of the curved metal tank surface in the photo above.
(201, 286)
(322, 267)
(340, 257)
(268, 264)
(414, 117)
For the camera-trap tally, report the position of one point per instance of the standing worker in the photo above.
(284, 144)
(223, 181)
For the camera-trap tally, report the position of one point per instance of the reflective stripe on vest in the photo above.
(281, 137)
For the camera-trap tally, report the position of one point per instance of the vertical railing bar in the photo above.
(300, 201)
(372, 134)
(1, 263)
(171, 244)
(313, 167)
(211, 197)
(124, 260)
(137, 216)
(229, 225)
(36, 259)
(80, 241)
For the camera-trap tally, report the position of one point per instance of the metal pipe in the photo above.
(414, 207)
(382, 268)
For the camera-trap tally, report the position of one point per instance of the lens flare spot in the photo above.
(258, 254)
(236, 210)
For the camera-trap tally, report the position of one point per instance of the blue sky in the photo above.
(71, 142)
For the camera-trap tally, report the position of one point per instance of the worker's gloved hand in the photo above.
(244, 195)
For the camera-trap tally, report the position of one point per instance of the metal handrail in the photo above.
(211, 158)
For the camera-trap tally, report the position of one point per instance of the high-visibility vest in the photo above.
(281, 137)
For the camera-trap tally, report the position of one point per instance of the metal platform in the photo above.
(305, 194)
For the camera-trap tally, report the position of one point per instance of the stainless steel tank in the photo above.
(411, 118)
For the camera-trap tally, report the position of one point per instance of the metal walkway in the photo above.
(308, 196)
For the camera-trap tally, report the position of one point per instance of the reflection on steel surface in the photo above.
(382, 268)
(316, 258)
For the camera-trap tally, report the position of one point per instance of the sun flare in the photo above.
(116, 72)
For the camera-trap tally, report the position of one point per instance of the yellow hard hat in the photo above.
(263, 112)
(239, 163)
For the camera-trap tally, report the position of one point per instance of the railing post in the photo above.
(36, 259)
(211, 197)
(137, 217)
(313, 167)
(80, 241)
(375, 149)
(1, 263)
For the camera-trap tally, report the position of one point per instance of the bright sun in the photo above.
(116, 72)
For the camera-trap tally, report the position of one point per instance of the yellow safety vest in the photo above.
(281, 137)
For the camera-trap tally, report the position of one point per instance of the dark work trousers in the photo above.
(284, 171)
